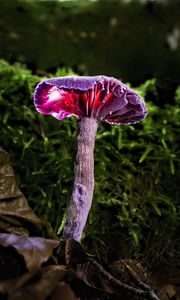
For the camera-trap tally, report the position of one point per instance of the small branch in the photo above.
(72, 254)
(135, 276)
(147, 293)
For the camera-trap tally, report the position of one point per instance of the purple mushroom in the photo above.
(90, 99)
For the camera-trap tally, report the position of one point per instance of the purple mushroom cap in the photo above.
(99, 97)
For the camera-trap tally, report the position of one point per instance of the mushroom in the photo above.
(90, 99)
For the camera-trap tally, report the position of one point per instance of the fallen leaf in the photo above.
(43, 283)
(168, 292)
(35, 250)
(15, 214)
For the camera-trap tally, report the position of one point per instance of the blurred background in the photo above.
(130, 39)
(136, 205)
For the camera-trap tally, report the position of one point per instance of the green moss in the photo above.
(136, 168)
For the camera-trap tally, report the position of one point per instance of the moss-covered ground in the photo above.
(136, 207)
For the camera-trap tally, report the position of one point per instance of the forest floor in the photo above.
(35, 264)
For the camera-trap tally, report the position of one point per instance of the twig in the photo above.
(147, 293)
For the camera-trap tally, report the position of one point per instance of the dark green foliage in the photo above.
(137, 179)
(35, 142)
(136, 168)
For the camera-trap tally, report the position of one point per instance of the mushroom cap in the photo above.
(99, 97)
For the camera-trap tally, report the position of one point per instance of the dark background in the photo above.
(133, 40)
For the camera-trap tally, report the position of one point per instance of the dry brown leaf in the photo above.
(35, 250)
(63, 292)
(15, 214)
(168, 292)
(51, 282)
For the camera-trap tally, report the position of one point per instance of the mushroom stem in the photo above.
(83, 180)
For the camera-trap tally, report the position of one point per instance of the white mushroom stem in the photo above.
(82, 195)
